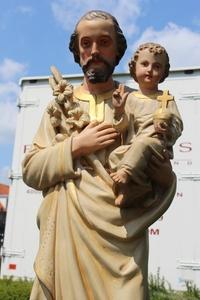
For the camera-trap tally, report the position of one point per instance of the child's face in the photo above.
(149, 69)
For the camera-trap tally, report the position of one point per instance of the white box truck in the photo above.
(174, 238)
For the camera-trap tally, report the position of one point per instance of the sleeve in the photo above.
(46, 164)
(176, 124)
(129, 111)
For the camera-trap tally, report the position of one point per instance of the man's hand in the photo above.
(94, 137)
(160, 170)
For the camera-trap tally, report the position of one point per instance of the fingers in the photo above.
(106, 137)
(121, 88)
(102, 134)
(100, 126)
(106, 143)
(104, 125)
(116, 93)
(92, 124)
(120, 96)
(124, 97)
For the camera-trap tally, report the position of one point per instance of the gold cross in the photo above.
(164, 98)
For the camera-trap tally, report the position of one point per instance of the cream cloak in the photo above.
(89, 248)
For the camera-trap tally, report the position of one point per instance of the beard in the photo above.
(98, 74)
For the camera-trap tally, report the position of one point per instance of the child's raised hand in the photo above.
(119, 99)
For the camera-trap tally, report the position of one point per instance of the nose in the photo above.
(149, 68)
(95, 49)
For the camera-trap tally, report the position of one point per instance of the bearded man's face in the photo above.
(97, 49)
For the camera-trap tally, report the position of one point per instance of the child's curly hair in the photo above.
(153, 48)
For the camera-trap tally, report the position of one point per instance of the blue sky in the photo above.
(35, 35)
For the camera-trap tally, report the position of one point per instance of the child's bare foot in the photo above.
(123, 196)
(120, 200)
(120, 176)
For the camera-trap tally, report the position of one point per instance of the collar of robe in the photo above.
(96, 102)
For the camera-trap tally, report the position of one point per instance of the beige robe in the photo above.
(89, 248)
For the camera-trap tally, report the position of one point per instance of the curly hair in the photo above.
(155, 49)
(99, 14)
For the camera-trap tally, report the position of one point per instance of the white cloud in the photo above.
(182, 44)
(9, 90)
(9, 69)
(125, 11)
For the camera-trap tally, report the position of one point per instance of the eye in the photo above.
(85, 43)
(157, 66)
(104, 42)
(144, 63)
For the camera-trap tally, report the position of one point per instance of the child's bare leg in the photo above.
(121, 177)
